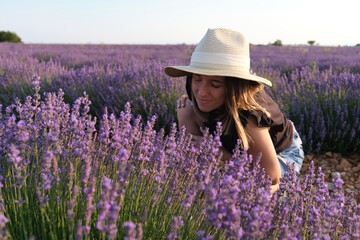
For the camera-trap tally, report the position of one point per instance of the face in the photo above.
(209, 91)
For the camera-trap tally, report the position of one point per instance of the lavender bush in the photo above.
(62, 178)
(111, 74)
(325, 107)
(316, 86)
(287, 58)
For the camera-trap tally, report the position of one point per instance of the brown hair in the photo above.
(240, 94)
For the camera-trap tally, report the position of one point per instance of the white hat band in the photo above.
(221, 58)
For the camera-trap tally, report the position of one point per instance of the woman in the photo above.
(221, 88)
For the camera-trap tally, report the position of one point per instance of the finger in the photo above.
(196, 139)
(193, 138)
(178, 103)
(183, 101)
(274, 188)
(183, 98)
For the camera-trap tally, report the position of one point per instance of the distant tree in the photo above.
(357, 45)
(277, 43)
(9, 37)
(311, 42)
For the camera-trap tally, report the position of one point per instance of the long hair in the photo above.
(240, 94)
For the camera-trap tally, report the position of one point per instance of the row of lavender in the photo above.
(288, 58)
(111, 76)
(63, 179)
(316, 86)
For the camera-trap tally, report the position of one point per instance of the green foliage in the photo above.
(9, 37)
(311, 42)
(313, 67)
(277, 43)
(357, 45)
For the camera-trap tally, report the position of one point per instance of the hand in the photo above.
(226, 154)
(181, 102)
(274, 188)
(196, 140)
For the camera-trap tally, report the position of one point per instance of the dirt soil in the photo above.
(333, 163)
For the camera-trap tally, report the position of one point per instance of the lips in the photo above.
(203, 101)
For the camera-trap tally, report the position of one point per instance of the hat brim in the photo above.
(180, 71)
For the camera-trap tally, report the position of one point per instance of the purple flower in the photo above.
(130, 232)
(72, 202)
(108, 207)
(14, 157)
(3, 221)
(200, 235)
(89, 196)
(175, 225)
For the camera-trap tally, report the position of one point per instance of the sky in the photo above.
(327, 22)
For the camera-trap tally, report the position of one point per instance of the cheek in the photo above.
(222, 100)
(221, 96)
(194, 87)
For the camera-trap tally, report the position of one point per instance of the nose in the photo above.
(203, 90)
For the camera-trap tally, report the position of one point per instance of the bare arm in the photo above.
(261, 142)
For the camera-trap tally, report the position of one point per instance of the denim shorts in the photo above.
(292, 155)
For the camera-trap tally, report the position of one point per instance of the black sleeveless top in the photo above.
(281, 129)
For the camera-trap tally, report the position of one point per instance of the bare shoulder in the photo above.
(188, 118)
(186, 111)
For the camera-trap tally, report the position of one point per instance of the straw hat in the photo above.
(221, 52)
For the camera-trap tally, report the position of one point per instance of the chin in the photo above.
(205, 109)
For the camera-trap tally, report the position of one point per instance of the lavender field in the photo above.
(90, 149)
